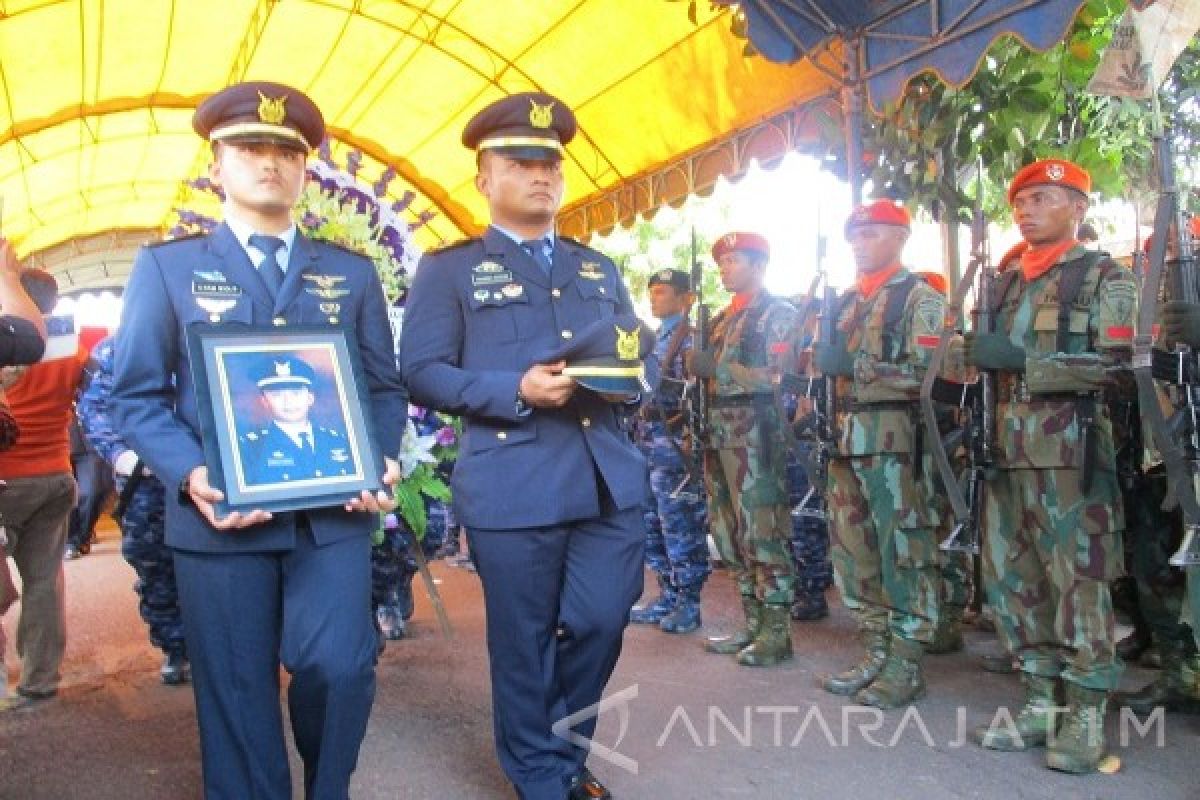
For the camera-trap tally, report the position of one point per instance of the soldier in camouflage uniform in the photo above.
(1064, 320)
(676, 514)
(142, 523)
(957, 571)
(885, 553)
(753, 343)
(1154, 535)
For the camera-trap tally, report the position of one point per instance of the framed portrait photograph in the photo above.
(284, 416)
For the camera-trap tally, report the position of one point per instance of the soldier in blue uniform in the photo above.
(141, 503)
(677, 514)
(547, 484)
(255, 587)
(291, 447)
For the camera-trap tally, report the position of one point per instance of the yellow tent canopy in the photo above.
(96, 98)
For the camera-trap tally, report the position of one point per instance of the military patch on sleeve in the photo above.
(1118, 304)
(928, 318)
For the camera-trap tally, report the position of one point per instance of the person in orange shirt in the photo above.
(41, 493)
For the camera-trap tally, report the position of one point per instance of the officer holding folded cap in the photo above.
(548, 485)
(255, 587)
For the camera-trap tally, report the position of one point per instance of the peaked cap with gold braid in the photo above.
(261, 112)
(607, 356)
(530, 125)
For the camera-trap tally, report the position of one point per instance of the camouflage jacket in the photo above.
(888, 366)
(754, 347)
(1038, 411)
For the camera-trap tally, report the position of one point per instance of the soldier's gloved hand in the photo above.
(833, 360)
(1181, 323)
(993, 351)
(701, 363)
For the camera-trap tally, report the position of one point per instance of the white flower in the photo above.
(415, 450)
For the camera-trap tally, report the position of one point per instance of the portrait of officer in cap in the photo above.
(291, 447)
(549, 487)
(255, 588)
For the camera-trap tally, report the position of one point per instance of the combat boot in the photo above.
(1171, 689)
(653, 612)
(773, 645)
(733, 644)
(1078, 747)
(1033, 723)
(947, 637)
(809, 607)
(861, 674)
(685, 617)
(900, 682)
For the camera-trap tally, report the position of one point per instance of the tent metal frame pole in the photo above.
(852, 110)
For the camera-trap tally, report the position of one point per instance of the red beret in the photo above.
(1051, 172)
(741, 241)
(881, 212)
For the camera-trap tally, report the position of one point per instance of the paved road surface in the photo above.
(697, 726)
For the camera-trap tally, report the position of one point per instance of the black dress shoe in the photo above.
(584, 786)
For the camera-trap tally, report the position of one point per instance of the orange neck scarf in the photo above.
(741, 300)
(869, 285)
(1037, 261)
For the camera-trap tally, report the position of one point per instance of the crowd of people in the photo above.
(790, 431)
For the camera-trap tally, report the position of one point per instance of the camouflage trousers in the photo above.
(144, 549)
(1152, 536)
(810, 536)
(750, 531)
(1049, 553)
(956, 568)
(885, 557)
(677, 529)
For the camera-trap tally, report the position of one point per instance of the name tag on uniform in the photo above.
(489, 273)
(213, 283)
(591, 271)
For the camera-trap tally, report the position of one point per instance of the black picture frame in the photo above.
(249, 456)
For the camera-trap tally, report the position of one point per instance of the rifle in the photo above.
(1178, 440)
(978, 400)
(694, 400)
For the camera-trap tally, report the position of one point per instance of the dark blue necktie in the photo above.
(306, 443)
(537, 249)
(269, 269)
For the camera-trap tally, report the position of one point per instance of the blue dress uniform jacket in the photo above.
(154, 401)
(271, 456)
(551, 498)
(482, 312)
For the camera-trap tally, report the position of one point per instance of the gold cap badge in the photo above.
(272, 110)
(283, 369)
(627, 344)
(541, 116)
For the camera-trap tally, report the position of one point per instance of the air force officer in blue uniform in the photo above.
(547, 485)
(259, 589)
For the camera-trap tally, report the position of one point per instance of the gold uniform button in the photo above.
(567, 334)
(501, 435)
(587, 422)
(279, 322)
(555, 293)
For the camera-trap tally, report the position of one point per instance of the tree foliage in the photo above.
(1019, 106)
